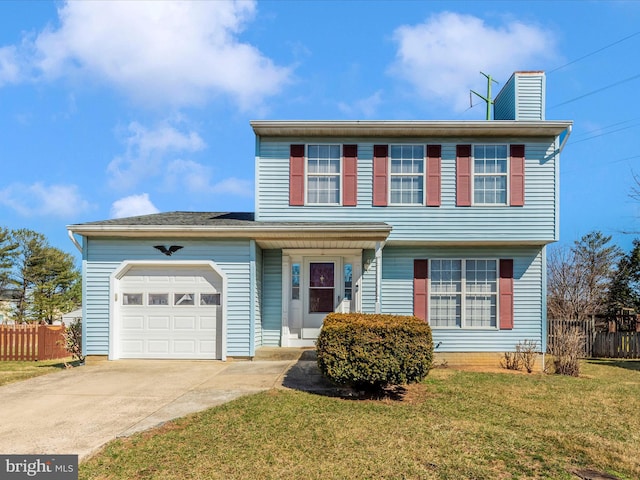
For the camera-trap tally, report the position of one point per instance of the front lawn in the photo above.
(16, 371)
(457, 425)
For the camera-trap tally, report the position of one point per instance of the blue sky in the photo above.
(125, 108)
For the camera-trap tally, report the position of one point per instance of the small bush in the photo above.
(528, 351)
(372, 351)
(524, 356)
(511, 361)
(567, 351)
(73, 337)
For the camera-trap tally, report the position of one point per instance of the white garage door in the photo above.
(170, 312)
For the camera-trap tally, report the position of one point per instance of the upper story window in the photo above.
(490, 174)
(323, 174)
(407, 174)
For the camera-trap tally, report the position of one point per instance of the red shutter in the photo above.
(296, 175)
(463, 175)
(516, 175)
(380, 175)
(506, 294)
(350, 175)
(434, 168)
(421, 289)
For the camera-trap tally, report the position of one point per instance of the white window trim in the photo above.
(473, 176)
(463, 295)
(424, 176)
(307, 175)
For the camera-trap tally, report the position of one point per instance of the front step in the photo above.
(281, 353)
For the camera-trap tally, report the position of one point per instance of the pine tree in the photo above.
(8, 253)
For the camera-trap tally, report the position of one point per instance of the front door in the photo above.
(322, 283)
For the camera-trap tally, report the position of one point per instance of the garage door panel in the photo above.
(184, 346)
(157, 346)
(184, 323)
(132, 347)
(207, 323)
(159, 323)
(131, 322)
(207, 347)
(178, 317)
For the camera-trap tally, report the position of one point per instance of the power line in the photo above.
(603, 133)
(594, 52)
(593, 92)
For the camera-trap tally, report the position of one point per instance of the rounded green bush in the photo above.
(373, 351)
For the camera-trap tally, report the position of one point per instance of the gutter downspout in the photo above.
(566, 137)
(74, 241)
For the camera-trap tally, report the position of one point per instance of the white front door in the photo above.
(322, 292)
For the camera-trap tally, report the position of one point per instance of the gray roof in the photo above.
(182, 218)
(212, 219)
(270, 234)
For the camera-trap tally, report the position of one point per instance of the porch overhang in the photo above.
(268, 235)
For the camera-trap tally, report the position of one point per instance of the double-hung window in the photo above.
(323, 174)
(490, 174)
(407, 174)
(464, 293)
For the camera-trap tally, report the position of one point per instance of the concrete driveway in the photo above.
(78, 410)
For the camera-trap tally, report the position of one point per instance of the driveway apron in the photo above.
(78, 410)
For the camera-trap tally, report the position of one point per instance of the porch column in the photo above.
(379, 246)
(286, 281)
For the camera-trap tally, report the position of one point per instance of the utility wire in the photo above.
(593, 92)
(603, 134)
(594, 52)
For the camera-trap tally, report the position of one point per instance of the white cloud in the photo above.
(9, 67)
(39, 199)
(132, 206)
(234, 186)
(193, 176)
(442, 57)
(146, 149)
(197, 178)
(160, 52)
(365, 106)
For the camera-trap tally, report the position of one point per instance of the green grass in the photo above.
(16, 371)
(457, 425)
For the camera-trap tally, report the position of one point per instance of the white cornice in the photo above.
(409, 128)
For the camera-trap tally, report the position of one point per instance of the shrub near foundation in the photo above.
(374, 351)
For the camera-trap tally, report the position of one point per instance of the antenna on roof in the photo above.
(488, 100)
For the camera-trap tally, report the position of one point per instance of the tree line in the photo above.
(593, 277)
(42, 281)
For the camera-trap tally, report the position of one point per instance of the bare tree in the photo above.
(579, 277)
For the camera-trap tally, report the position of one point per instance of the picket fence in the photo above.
(32, 342)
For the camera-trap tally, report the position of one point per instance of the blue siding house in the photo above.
(446, 220)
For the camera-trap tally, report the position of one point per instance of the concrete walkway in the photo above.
(78, 410)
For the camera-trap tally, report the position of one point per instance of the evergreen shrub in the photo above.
(374, 351)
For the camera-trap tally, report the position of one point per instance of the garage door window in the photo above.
(184, 299)
(132, 299)
(209, 299)
(158, 299)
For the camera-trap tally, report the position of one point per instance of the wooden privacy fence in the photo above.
(32, 342)
(617, 345)
(556, 329)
